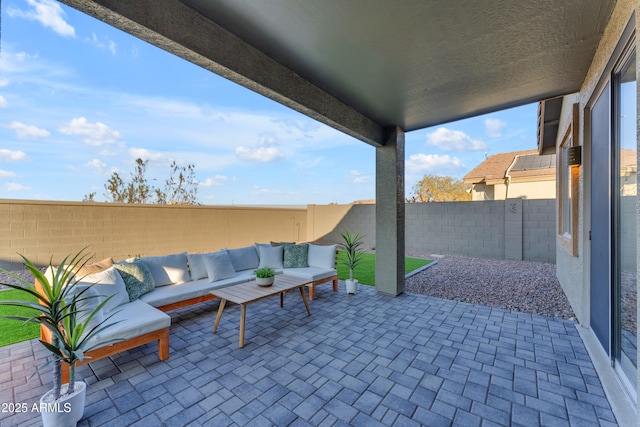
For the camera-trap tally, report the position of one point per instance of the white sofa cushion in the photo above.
(244, 258)
(311, 273)
(194, 289)
(168, 269)
(87, 301)
(270, 256)
(108, 283)
(219, 266)
(134, 318)
(322, 256)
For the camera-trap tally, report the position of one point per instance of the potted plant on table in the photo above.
(265, 276)
(353, 255)
(71, 315)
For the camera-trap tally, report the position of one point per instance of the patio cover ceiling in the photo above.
(363, 66)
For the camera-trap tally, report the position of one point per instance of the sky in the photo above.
(80, 99)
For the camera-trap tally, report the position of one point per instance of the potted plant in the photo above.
(265, 276)
(353, 250)
(65, 311)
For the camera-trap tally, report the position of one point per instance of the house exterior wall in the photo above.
(574, 271)
(544, 189)
(533, 190)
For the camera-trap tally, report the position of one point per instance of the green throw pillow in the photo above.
(296, 256)
(137, 278)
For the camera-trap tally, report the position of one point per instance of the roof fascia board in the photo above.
(180, 30)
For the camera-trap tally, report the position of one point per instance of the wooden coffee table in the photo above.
(248, 292)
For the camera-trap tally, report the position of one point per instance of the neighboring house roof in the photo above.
(519, 164)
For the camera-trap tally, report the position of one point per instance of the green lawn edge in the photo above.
(13, 331)
(365, 272)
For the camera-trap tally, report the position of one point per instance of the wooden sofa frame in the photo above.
(161, 335)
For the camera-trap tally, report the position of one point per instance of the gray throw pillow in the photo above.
(271, 256)
(218, 265)
(295, 256)
(196, 266)
(137, 278)
(244, 258)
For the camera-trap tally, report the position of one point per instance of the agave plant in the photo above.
(57, 309)
(353, 249)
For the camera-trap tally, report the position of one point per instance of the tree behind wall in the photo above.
(180, 188)
(432, 188)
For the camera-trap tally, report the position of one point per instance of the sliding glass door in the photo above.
(625, 216)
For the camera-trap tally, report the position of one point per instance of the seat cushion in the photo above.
(133, 319)
(311, 273)
(183, 291)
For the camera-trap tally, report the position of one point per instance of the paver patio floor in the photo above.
(362, 360)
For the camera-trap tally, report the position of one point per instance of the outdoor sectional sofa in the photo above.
(143, 289)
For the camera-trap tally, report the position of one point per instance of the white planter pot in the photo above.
(265, 281)
(66, 411)
(352, 286)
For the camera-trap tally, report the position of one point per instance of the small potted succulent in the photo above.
(66, 312)
(265, 276)
(353, 250)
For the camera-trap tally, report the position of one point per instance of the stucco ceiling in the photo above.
(364, 65)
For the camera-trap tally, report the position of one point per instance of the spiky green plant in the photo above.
(353, 250)
(56, 309)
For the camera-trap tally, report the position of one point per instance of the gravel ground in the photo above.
(24, 274)
(528, 287)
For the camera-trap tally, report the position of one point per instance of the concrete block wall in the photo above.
(41, 230)
(513, 229)
(491, 229)
(539, 230)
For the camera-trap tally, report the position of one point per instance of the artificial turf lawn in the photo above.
(365, 272)
(13, 331)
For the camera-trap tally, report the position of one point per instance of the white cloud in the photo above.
(259, 190)
(12, 186)
(259, 154)
(494, 127)
(453, 140)
(99, 166)
(215, 181)
(358, 177)
(6, 174)
(3, 102)
(430, 163)
(144, 154)
(48, 13)
(95, 134)
(4, 82)
(12, 154)
(103, 43)
(24, 131)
